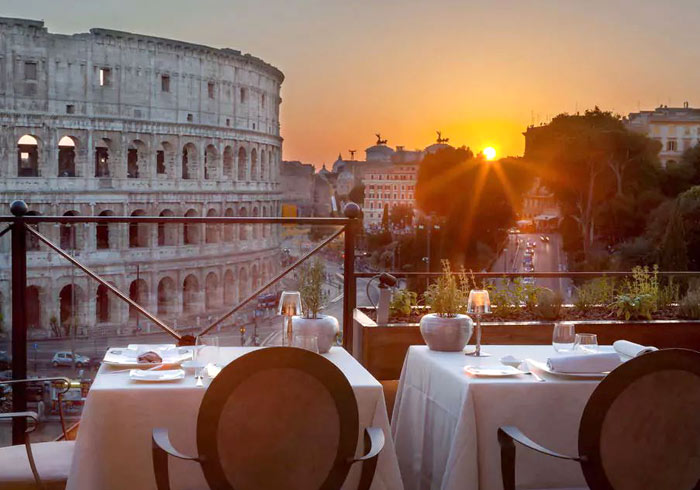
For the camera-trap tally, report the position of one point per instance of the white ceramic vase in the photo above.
(448, 334)
(325, 327)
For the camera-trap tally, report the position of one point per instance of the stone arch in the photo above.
(167, 302)
(33, 243)
(33, 308)
(138, 292)
(190, 294)
(228, 229)
(69, 238)
(70, 302)
(212, 233)
(105, 308)
(190, 161)
(242, 164)
(167, 232)
(255, 276)
(28, 156)
(229, 288)
(136, 160)
(254, 164)
(212, 292)
(211, 162)
(192, 230)
(138, 232)
(67, 147)
(104, 232)
(263, 165)
(165, 159)
(228, 162)
(103, 149)
(243, 230)
(242, 283)
(256, 226)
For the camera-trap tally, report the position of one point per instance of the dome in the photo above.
(436, 147)
(379, 153)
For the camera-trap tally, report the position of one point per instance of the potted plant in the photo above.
(313, 299)
(446, 327)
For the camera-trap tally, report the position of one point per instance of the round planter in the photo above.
(325, 327)
(449, 334)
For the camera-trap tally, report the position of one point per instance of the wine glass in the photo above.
(564, 337)
(586, 343)
(308, 342)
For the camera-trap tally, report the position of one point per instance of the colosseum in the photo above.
(113, 123)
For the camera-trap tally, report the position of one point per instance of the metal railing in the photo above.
(20, 229)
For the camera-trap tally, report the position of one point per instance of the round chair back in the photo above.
(641, 426)
(278, 417)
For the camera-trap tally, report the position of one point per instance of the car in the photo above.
(529, 268)
(532, 244)
(529, 280)
(65, 358)
(544, 238)
(529, 252)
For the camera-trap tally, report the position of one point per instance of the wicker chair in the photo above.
(275, 418)
(640, 429)
(43, 465)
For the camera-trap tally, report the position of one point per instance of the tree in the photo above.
(357, 194)
(586, 160)
(477, 199)
(385, 217)
(401, 215)
(674, 252)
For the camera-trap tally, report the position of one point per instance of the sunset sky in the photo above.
(480, 71)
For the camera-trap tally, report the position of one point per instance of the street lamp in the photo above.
(426, 259)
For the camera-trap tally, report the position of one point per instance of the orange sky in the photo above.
(480, 71)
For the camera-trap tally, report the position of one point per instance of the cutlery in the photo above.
(537, 376)
(199, 381)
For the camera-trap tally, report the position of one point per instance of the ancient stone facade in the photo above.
(113, 123)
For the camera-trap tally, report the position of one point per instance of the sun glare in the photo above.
(490, 152)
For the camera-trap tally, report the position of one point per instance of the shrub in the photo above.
(549, 304)
(599, 291)
(402, 301)
(313, 297)
(448, 295)
(511, 295)
(689, 306)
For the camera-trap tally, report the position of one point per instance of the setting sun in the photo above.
(489, 152)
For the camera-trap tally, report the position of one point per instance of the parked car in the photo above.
(532, 244)
(65, 358)
(529, 280)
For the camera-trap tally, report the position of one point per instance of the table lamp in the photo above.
(479, 304)
(289, 306)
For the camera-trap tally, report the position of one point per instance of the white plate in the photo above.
(121, 357)
(493, 372)
(542, 367)
(156, 376)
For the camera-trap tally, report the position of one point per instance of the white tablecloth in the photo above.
(445, 422)
(113, 450)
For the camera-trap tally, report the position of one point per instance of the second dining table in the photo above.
(113, 448)
(445, 421)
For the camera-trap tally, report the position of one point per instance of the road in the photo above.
(549, 257)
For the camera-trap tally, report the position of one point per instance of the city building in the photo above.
(113, 123)
(304, 192)
(539, 210)
(676, 128)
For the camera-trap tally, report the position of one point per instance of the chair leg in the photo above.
(369, 466)
(160, 467)
(507, 460)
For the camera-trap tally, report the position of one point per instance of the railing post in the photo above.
(351, 211)
(19, 318)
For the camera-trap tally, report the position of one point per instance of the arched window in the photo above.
(66, 157)
(211, 162)
(138, 232)
(192, 236)
(28, 156)
(167, 232)
(263, 166)
(102, 150)
(212, 294)
(102, 306)
(138, 292)
(166, 297)
(134, 158)
(228, 229)
(165, 159)
(190, 294)
(242, 164)
(229, 289)
(102, 232)
(69, 300)
(189, 161)
(254, 164)
(33, 307)
(228, 162)
(212, 231)
(242, 284)
(68, 233)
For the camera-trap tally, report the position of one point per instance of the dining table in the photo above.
(445, 421)
(113, 447)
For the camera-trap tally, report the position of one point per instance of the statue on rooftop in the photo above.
(440, 139)
(380, 141)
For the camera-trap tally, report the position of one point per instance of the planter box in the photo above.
(382, 348)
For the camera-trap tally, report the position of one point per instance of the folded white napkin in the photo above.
(585, 363)
(628, 350)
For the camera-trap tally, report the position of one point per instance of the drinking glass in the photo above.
(207, 349)
(586, 343)
(563, 337)
(308, 342)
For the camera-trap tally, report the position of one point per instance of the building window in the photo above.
(105, 77)
(160, 161)
(671, 145)
(242, 95)
(70, 109)
(262, 100)
(210, 89)
(190, 118)
(165, 83)
(228, 121)
(30, 70)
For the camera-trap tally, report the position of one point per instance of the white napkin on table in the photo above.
(628, 350)
(585, 363)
